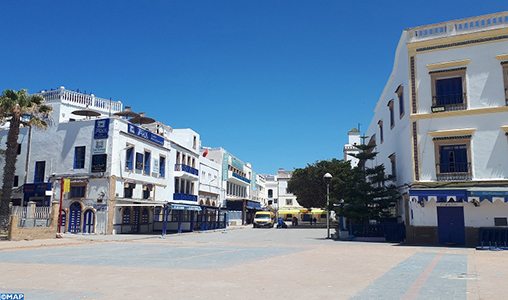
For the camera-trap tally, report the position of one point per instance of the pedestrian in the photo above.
(315, 221)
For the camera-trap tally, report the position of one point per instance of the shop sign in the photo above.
(145, 134)
(99, 147)
(101, 129)
(99, 163)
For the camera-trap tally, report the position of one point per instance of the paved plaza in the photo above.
(246, 263)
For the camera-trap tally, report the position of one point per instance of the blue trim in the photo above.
(187, 197)
(241, 178)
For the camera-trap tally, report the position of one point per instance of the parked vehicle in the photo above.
(264, 219)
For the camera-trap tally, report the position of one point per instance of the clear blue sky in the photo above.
(276, 83)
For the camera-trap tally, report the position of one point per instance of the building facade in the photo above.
(440, 127)
(121, 177)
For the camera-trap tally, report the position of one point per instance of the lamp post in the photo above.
(327, 178)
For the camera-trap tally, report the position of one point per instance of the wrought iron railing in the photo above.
(453, 171)
(185, 168)
(449, 102)
(186, 197)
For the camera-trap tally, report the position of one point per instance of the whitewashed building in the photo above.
(123, 177)
(440, 127)
(238, 183)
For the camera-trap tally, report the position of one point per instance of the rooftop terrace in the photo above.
(457, 27)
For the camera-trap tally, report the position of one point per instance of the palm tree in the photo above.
(17, 108)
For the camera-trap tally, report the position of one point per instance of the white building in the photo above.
(238, 183)
(124, 178)
(440, 127)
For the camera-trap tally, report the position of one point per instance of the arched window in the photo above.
(270, 193)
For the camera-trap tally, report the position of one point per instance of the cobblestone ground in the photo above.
(246, 263)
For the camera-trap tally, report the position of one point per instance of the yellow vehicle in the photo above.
(264, 219)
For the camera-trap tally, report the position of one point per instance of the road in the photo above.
(246, 263)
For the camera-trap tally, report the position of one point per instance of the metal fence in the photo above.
(32, 216)
(393, 232)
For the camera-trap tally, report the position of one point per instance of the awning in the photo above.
(489, 194)
(314, 211)
(291, 211)
(185, 207)
(120, 202)
(438, 195)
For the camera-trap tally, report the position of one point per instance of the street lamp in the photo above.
(327, 178)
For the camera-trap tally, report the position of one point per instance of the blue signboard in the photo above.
(101, 129)
(146, 135)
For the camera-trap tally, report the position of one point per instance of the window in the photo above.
(19, 149)
(146, 166)
(380, 124)
(139, 161)
(453, 158)
(392, 114)
(79, 157)
(448, 90)
(270, 193)
(289, 201)
(77, 191)
(503, 221)
(162, 166)
(128, 190)
(394, 167)
(147, 189)
(194, 143)
(400, 95)
(40, 168)
(129, 159)
(16, 181)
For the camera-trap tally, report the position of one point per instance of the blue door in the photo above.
(88, 226)
(450, 225)
(75, 218)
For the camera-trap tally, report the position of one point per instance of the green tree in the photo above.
(371, 193)
(308, 186)
(19, 109)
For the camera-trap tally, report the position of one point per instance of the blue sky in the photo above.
(276, 83)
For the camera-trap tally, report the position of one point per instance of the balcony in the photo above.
(186, 172)
(452, 102)
(186, 197)
(233, 177)
(453, 172)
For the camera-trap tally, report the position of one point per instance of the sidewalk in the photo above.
(79, 238)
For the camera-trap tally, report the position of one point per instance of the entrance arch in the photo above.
(75, 217)
(89, 222)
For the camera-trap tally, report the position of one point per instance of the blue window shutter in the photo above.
(449, 91)
(162, 166)
(147, 163)
(79, 157)
(129, 159)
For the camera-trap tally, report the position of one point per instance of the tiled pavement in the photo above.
(246, 264)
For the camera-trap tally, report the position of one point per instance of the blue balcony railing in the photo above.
(186, 197)
(185, 168)
(241, 178)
